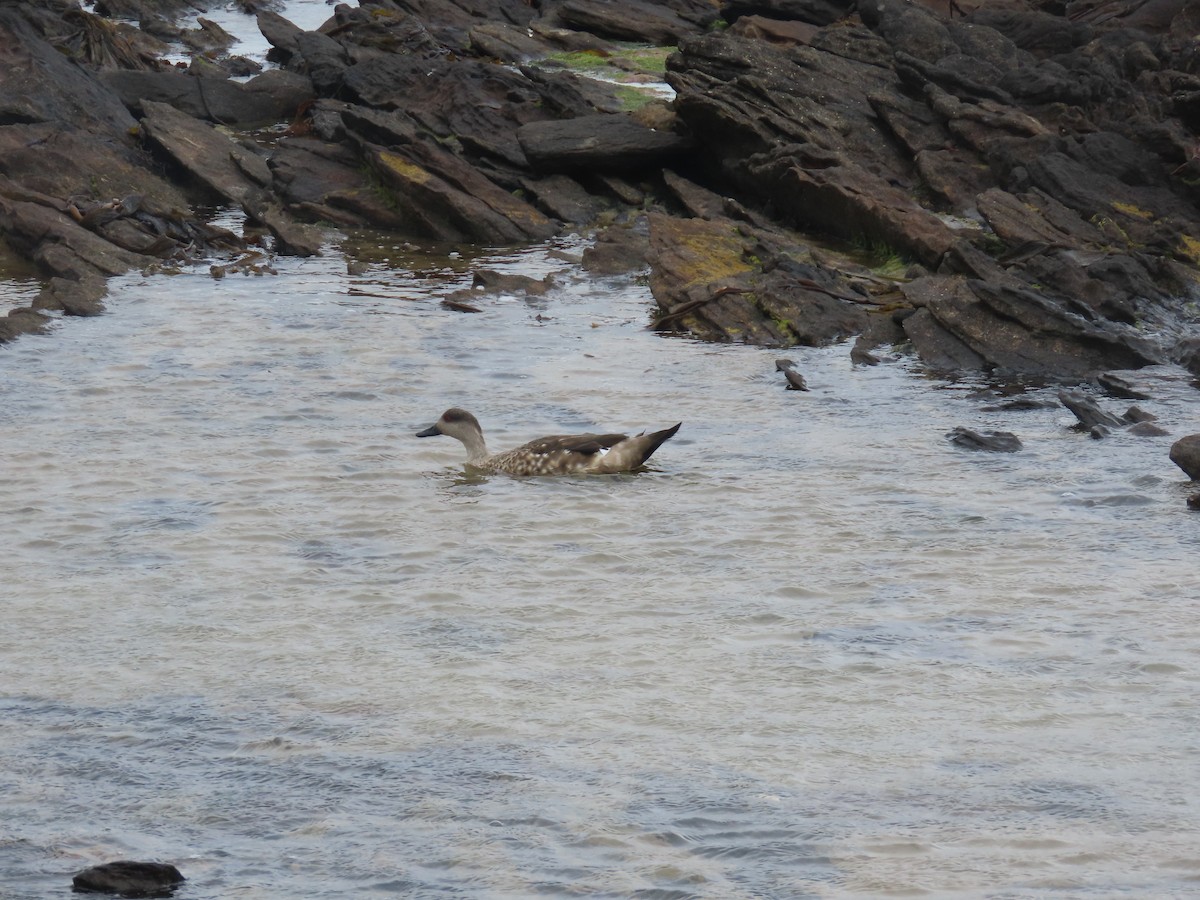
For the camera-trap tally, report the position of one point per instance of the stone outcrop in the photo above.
(994, 186)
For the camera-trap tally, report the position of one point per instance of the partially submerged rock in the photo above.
(994, 441)
(1185, 453)
(128, 878)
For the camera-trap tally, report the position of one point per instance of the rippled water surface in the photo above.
(253, 626)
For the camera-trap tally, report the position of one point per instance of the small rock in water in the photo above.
(795, 380)
(1116, 386)
(1136, 414)
(1147, 429)
(997, 441)
(1185, 453)
(1087, 411)
(1193, 502)
(127, 878)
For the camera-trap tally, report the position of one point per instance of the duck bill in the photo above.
(431, 431)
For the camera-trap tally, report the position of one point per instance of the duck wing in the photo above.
(583, 444)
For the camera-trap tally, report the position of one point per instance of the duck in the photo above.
(570, 454)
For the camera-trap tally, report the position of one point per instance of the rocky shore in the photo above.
(1008, 186)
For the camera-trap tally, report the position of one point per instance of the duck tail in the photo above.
(647, 444)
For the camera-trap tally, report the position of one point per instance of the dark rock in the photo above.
(1147, 429)
(22, 320)
(1087, 411)
(815, 12)
(40, 84)
(442, 197)
(1135, 414)
(617, 250)
(628, 20)
(323, 60)
(291, 237)
(130, 879)
(996, 441)
(499, 40)
(787, 33)
(1187, 354)
(563, 198)
(324, 181)
(494, 282)
(279, 32)
(268, 98)
(720, 279)
(1185, 453)
(1016, 329)
(795, 381)
(600, 143)
(1193, 502)
(478, 105)
(209, 156)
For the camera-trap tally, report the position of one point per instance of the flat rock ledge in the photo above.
(1008, 188)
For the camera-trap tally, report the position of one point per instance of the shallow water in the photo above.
(254, 627)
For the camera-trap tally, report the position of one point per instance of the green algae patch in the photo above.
(706, 253)
(402, 168)
(1135, 212)
(1189, 249)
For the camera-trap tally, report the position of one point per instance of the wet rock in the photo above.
(1087, 411)
(727, 280)
(1193, 502)
(22, 320)
(602, 143)
(618, 249)
(292, 238)
(1185, 453)
(795, 381)
(279, 32)
(130, 879)
(995, 441)
(1117, 387)
(494, 282)
(975, 323)
(1147, 429)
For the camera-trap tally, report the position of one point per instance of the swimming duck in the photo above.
(573, 454)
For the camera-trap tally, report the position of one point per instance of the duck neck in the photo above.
(476, 449)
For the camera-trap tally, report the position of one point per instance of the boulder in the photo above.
(1185, 453)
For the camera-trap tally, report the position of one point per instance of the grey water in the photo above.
(254, 627)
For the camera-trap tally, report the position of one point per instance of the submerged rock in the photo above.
(996, 441)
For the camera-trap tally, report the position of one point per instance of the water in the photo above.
(254, 627)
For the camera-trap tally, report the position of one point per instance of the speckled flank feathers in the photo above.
(568, 454)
